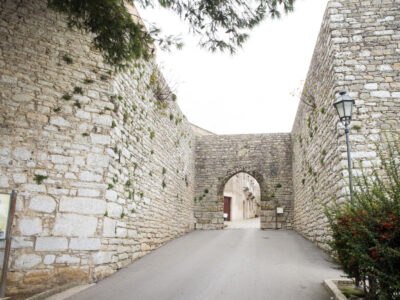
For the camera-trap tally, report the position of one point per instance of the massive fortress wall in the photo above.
(119, 165)
(358, 50)
(266, 157)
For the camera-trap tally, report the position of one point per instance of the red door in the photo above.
(227, 207)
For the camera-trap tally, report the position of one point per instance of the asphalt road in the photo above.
(224, 264)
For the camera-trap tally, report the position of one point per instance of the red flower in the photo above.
(387, 225)
(373, 253)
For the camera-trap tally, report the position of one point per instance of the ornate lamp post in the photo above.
(344, 107)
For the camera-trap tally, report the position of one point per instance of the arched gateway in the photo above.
(266, 157)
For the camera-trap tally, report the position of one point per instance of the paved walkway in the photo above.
(223, 264)
(249, 223)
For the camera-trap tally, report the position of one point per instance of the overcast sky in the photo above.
(250, 92)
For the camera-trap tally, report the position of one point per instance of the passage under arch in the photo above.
(242, 199)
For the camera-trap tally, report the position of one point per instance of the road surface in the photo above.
(223, 264)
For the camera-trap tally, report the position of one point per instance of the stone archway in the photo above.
(266, 157)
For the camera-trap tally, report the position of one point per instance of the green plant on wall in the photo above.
(300, 139)
(78, 90)
(38, 178)
(77, 104)
(88, 81)
(67, 97)
(125, 117)
(67, 59)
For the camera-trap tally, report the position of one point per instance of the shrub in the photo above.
(366, 231)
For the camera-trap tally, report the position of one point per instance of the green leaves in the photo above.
(116, 34)
(222, 25)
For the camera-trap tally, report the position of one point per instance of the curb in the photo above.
(331, 286)
(53, 291)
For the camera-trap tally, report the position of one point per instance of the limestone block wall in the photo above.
(104, 173)
(358, 50)
(266, 157)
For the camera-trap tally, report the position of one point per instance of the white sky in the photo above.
(250, 92)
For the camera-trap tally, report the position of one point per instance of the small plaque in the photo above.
(279, 210)
(5, 200)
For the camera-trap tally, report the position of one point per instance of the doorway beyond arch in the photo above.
(242, 203)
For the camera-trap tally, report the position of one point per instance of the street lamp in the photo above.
(344, 107)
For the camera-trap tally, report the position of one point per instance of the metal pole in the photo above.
(349, 160)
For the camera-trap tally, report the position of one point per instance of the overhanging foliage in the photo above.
(221, 24)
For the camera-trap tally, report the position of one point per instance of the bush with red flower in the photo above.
(366, 231)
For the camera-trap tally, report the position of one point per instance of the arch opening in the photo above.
(242, 201)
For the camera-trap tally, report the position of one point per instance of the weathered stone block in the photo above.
(114, 209)
(89, 176)
(51, 244)
(74, 225)
(43, 204)
(30, 226)
(37, 277)
(98, 160)
(88, 193)
(85, 244)
(111, 195)
(82, 205)
(68, 274)
(27, 261)
(21, 154)
(59, 121)
(101, 272)
(49, 259)
(102, 257)
(19, 178)
(109, 227)
(67, 259)
(100, 139)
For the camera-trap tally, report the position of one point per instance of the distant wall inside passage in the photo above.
(266, 157)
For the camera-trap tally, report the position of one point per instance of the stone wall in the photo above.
(266, 157)
(358, 50)
(116, 165)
